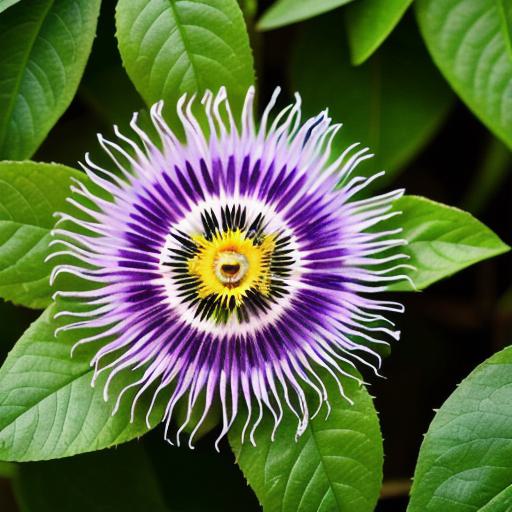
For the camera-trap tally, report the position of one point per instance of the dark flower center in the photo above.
(230, 269)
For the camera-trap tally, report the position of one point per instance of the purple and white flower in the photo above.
(234, 265)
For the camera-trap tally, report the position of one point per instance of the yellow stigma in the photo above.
(231, 264)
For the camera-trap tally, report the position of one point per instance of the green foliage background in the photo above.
(427, 85)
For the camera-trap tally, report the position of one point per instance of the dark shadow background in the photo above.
(446, 331)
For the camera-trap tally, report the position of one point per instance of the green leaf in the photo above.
(111, 480)
(369, 23)
(336, 465)
(393, 103)
(4, 4)
(500, 503)
(48, 408)
(471, 42)
(285, 12)
(44, 45)
(30, 194)
(170, 47)
(441, 240)
(465, 462)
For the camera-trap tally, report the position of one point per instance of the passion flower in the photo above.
(234, 264)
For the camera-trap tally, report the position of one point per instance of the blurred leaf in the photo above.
(465, 462)
(111, 95)
(249, 8)
(7, 469)
(369, 23)
(336, 465)
(393, 103)
(170, 47)
(44, 45)
(441, 240)
(471, 42)
(30, 194)
(285, 12)
(106, 86)
(497, 162)
(111, 480)
(504, 303)
(48, 408)
(4, 4)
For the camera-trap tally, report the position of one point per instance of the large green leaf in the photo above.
(441, 240)
(471, 42)
(4, 4)
(30, 194)
(111, 480)
(170, 47)
(285, 12)
(335, 466)
(48, 408)
(368, 24)
(465, 462)
(393, 103)
(44, 45)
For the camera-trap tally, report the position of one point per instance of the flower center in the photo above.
(230, 264)
(231, 267)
